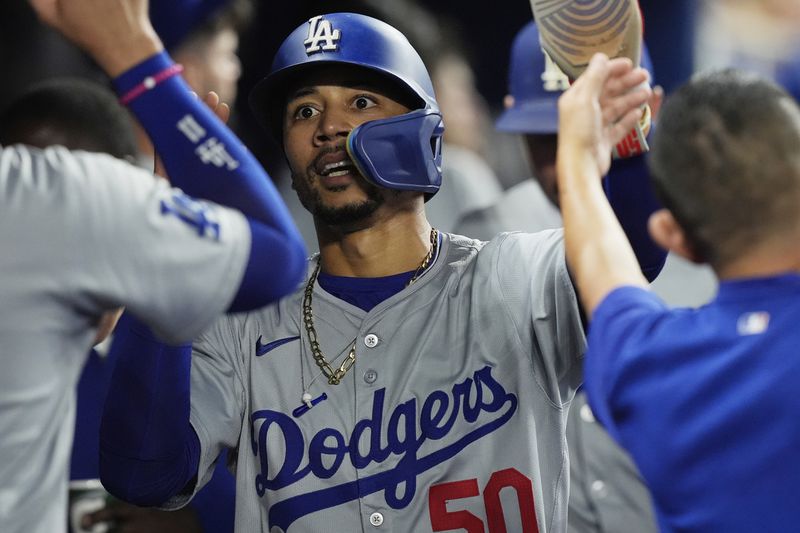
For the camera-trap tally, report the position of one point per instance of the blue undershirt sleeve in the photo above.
(631, 195)
(215, 504)
(149, 451)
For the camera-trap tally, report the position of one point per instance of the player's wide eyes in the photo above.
(305, 112)
(364, 102)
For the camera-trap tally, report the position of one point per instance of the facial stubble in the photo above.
(341, 215)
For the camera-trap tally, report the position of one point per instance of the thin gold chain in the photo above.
(335, 375)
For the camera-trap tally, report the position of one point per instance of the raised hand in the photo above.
(117, 33)
(600, 108)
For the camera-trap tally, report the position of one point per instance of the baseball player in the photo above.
(84, 233)
(704, 399)
(606, 491)
(416, 381)
(83, 115)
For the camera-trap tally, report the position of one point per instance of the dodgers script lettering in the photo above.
(472, 410)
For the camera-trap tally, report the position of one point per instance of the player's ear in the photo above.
(667, 233)
(508, 101)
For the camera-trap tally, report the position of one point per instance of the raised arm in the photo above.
(202, 156)
(630, 193)
(594, 114)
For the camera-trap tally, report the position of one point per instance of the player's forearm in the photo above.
(147, 451)
(598, 253)
(202, 156)
(630, 193)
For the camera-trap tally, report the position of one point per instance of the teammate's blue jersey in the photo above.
(706, 401)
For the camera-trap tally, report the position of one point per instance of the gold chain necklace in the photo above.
(335, 376)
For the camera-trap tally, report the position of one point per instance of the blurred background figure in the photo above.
(755, 35)
(83, 115)
(759, 36)
(203, 36)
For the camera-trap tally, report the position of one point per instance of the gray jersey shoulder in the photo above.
(103, 233)
(463, 376)
(81, 234)
(523, 207)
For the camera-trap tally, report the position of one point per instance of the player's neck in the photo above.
(776, 257)
(388, 246)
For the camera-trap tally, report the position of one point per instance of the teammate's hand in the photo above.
(656, 101)
(220, 108)
(600, 108)
(117, 33)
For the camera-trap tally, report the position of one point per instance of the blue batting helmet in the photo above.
(536, 83)
(402, 152)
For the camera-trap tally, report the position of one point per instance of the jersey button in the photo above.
(371, 340)
(376, 519)
(370, 376)
(599, 488)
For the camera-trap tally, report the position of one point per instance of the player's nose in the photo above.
(333, 125)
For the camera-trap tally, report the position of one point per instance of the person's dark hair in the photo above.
(726, 161)
(75, 113)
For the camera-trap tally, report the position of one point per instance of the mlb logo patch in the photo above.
(753, 323)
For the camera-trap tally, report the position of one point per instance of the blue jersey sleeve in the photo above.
(205, 160)
(148, 449)
(215, 503)
(201, 155)
(630, 193)
(618, 335)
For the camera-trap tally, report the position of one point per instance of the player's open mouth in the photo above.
(342, 168)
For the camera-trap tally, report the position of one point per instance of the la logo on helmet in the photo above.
(320, 31)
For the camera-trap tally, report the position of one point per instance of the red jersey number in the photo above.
(444, 520)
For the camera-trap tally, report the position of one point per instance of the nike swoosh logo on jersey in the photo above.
(262, 349)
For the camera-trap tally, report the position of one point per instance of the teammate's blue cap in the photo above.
(175, 20)
(398, 153)
(536, 84)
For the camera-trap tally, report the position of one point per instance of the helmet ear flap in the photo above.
(403, 152)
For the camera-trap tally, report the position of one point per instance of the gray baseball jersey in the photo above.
(607, 493)
(453, 415)
(523, 207)
(81, 234)
(468, 184)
